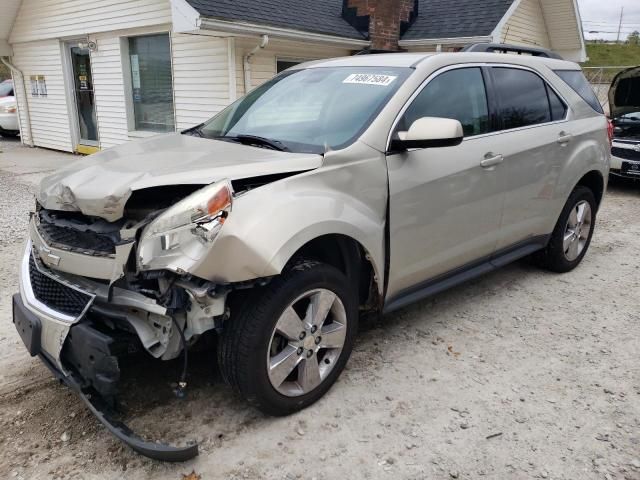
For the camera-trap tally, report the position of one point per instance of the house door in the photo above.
(85, 111)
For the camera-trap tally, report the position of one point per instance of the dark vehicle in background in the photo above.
(624, 102)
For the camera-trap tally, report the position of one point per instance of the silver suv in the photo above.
(342, 186)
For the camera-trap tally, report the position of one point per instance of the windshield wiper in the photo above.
(256, 140)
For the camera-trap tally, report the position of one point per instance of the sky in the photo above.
(603, 16)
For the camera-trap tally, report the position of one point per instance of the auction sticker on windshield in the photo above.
(370, 79)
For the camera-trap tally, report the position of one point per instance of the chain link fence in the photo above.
(600, 79)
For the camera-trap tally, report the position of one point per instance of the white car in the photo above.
(8, 110)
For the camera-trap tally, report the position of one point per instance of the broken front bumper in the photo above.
(48, 307)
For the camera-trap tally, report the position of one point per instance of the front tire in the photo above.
(572, 235)
(291, 339)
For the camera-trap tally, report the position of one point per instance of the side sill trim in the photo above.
(155, 451)
(465, 273)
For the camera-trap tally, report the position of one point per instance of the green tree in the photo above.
(634, 38)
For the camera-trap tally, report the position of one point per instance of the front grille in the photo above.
(75, 239)
(625, 153)
(54, 294)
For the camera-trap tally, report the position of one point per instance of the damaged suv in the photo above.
(624, 103)
(339, 187)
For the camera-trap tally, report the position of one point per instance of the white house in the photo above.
(91, 75)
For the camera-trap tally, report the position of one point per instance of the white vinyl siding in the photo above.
(41, 19)
(108, 82)
(49, 115)
(263, 63)
(527, 26)
(200, 78)
(200, 83)
(563, 25)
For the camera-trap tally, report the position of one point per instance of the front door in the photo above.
(85, 108)
(445, 206)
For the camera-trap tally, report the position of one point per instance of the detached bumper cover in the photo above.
(102, 411)
(28, 326)
(46, 310)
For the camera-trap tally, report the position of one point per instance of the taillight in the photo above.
(610, 131)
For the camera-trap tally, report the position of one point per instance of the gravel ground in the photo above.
(520, 374)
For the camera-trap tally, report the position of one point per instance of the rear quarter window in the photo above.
(577, 81)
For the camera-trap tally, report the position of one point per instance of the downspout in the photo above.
(247, 62)
(27, 115)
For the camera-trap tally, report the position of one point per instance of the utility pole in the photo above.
(620, 25)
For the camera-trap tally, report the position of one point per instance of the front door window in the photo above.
(85, 103)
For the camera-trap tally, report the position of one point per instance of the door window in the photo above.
(151, 83)
(523, 98)
(85, 104)
(457, 94)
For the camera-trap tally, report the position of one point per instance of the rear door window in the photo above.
(458, 94)
(576, 80)
(522, 97)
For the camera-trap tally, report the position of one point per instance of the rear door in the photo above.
(537, 139)
(445, 207)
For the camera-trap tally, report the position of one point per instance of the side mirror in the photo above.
(430, 132)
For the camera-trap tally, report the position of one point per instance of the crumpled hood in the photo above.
(624, 94)
(101, 184)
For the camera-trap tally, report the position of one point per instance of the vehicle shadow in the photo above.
(624, 186)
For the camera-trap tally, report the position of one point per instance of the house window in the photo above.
(283, 64)
(151, 83)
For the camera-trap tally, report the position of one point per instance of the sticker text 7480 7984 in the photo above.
(370, 79)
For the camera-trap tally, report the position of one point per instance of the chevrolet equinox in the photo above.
(341, 186)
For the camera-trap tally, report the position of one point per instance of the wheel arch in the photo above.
(350, 257)
(595, 182)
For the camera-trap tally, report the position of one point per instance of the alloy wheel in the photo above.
(306, 342)
(577, 230)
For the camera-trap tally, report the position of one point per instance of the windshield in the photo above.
(310, 110)
(6, 89)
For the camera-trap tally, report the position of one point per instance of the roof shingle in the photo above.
(459, 18)
(318, 16)
(436, 18)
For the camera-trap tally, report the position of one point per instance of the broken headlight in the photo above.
(202, 214)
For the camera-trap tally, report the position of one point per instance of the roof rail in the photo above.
(506, 48)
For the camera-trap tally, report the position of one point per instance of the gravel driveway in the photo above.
(520, 374)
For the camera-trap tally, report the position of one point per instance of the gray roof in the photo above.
(459, 18)
(436, 18)
(318, 16)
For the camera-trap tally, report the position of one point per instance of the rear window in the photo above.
(576, 80)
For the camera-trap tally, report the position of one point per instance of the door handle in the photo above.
(564, 138)
(491, 160)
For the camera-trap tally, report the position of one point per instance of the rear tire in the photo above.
(572, 235)
(275, 329)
